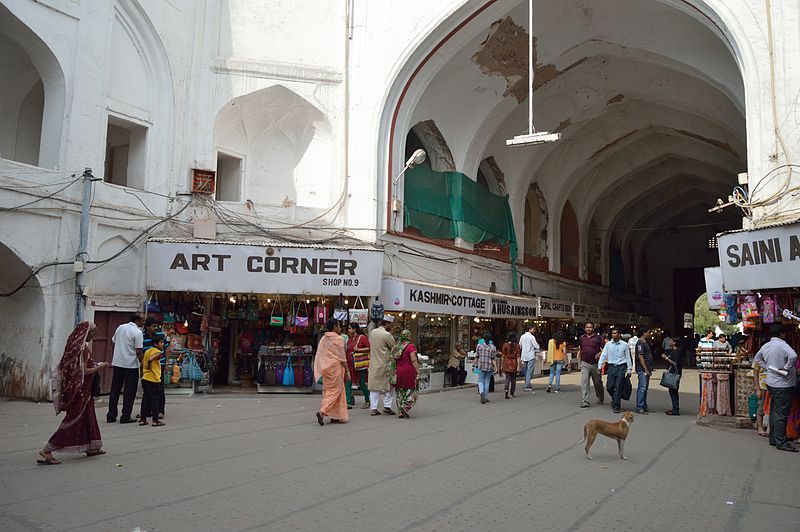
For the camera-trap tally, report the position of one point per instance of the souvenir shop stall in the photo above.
(756, 286)
(256, 311)
(438, 316)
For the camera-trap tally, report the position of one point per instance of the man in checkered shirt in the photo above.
(487, 365)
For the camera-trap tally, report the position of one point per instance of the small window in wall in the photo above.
(126, 153)
(229, 177)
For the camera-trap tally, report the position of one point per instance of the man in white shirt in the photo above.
(777, 358)
(128, 340)
(620, 364)
(529, 347)
(708, 341)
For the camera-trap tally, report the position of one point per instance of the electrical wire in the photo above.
(40, 198)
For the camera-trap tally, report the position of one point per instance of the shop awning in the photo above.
(760, 259)
(417, 296)
(263, 267)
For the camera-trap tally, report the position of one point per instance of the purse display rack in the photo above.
(182, 371)
(285, 369)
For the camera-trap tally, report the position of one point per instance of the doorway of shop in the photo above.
(102, 346)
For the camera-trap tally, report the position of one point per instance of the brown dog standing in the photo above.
(616, 431)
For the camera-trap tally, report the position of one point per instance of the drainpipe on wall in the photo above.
(79, 266)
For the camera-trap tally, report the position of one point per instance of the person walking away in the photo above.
(356, 343)
(152, 331)
(779, 360)
(529, 347)
(406, 374)
(457, 375)
(556, 356)
(510, 364)
(644, 370)
(667, 344)
(674, 358)
(381, 343)
(151, 383)
(590, 346)
(486, 361)
(128, 342)
(330, 364)
(618, 356)
(78, 432)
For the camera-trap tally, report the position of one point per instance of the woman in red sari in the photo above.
(72, 393)
(406, 374)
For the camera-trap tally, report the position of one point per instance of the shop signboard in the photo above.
(262, 269)
(553, 308)
(615, 317)
(401, 295)
(688, 320)
(583, 312)
(513, 307)
(760, 259)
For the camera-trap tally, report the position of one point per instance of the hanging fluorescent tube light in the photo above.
(532, 137)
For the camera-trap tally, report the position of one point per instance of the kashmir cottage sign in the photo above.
(262, 269)
(760, 259)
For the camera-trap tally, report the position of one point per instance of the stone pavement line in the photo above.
(599, 505)
(740, 510)
(463, 499)
(410, 471)
(301, 468)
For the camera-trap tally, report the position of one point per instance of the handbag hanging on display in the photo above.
(276, 319)
(359, 314)
(301, 321)
(233, 311)
(288, 323)
(252, 309)
(288, 373)
(269, 375)
(321, 313)
(340, 309)
(152, 304)
(670, 379)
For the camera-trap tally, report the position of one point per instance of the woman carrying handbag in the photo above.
(675, 362)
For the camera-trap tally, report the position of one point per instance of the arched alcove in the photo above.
(33, 89)
(435, 145)
(23, 372)
(284, 145)
(536, 217)
(569, 242)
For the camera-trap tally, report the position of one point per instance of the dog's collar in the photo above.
(626, 421)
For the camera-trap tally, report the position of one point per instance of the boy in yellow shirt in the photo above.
(151, 382)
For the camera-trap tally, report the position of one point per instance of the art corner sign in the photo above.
(233, 268)
(761, 258)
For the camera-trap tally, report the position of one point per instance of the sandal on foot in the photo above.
(47, 461)
(320, 420)
(333, 420)
(97, 452)
(142, 423)
(158, 423)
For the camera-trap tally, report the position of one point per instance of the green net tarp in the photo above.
(451, 205)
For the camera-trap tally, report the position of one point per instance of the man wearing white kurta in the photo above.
(381, 343)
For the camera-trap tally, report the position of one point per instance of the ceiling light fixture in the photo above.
(532, 137)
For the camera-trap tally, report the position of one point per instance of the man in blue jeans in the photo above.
(486, 362)
(644, 369)
(778, 359)
(529, 346)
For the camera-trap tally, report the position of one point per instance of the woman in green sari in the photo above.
(406, 374)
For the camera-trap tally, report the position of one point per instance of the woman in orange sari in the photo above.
(330, 364)
(79, 432)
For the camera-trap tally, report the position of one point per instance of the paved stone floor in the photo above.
(238, 462)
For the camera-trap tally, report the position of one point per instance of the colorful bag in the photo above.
(288, 373)
(308, 376)
(176, 374)
(321, 313)
(276, 320)
(768, 310)
(301, 321)
(359, 314)
(194, 342)
(360, 361)
(152, 306)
